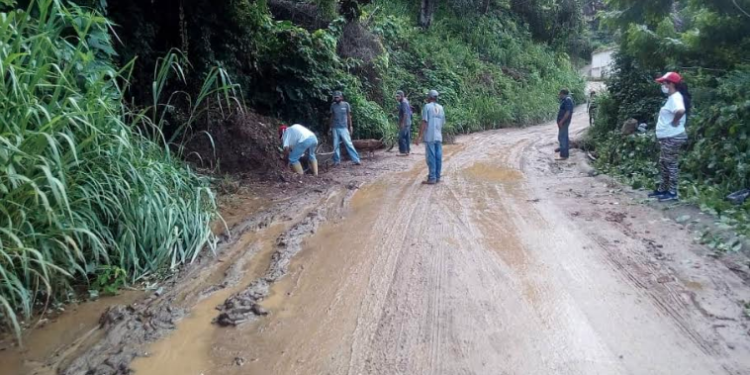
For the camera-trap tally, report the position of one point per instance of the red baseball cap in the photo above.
(282, 129)
(670, 77)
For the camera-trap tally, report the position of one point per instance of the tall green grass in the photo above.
(85, 182)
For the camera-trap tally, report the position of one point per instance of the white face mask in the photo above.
(665, 89)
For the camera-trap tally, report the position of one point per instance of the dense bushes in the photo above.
(489, 70)
(712, 40)
(83, 192)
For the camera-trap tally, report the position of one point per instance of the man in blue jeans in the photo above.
(564, 116)
(433, 119)
(341, 127)
(404, 124)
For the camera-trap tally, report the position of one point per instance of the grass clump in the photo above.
(82, 186)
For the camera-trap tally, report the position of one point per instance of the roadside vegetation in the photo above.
(98, 107)
(708, 42)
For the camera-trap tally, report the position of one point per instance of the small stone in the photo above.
(259, 310)
(239, 361)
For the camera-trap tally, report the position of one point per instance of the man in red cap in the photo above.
(670, 131)
(297, 140)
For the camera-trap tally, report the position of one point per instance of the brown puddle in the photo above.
(48, 347)
(493, 173)
(187, 350)
(61, 336)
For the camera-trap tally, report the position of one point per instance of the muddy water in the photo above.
(59, 338)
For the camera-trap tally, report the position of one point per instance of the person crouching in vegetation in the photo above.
(404, 124)
(564, 116)
(433, 119)
(297, 140)
(670, 131)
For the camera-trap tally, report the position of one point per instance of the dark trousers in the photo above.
(562, 137)
(404, 140)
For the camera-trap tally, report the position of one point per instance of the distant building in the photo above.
(601, 64)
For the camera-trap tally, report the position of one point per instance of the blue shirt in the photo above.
(434, 115)
(566, 105)
(404, 113)
(340, 112)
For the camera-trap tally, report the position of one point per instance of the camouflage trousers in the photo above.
(669, 163)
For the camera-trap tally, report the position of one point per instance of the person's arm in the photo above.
(287, 150)
(330, 123)
(679, 110)
(568, 110)
(421, 132)
(401, 116)
(349, 118)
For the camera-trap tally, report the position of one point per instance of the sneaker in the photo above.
(656, 194)
(557, 149)
(668, 197)
(429, 182)
(561, 159)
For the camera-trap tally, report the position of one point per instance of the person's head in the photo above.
(338, 96)
(563, 94)
(432, 96)
(282, 129)
(669, 82)
(400, 95)
(592, 93)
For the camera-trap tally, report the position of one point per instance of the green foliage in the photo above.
(489, 72)
(109, 280)
(85, 182)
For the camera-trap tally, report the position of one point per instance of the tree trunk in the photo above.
(426, 12)
(486, 6)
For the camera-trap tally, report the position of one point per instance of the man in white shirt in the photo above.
(431, 133)
(297, 140)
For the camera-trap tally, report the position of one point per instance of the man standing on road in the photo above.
(433, 119)
(564, 116)
(297, 140)
(404, 124)
(341, 127)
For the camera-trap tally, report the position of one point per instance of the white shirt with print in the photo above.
(665, 128)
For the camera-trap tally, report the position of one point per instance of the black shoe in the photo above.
(669, 197)
(657, 194)
(557, 149)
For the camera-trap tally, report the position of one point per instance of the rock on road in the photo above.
(514, 264)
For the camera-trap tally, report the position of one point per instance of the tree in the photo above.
(427, 12)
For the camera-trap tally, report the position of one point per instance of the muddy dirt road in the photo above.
(515, 264)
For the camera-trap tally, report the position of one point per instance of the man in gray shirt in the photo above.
(433, 119)
(341, 127)
(404, 124)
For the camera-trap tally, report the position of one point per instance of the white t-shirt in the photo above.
(296, 134)
(665, 128)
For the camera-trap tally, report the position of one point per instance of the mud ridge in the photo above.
(125, 329)
(244, 306)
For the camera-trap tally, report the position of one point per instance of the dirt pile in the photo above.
(242, 142)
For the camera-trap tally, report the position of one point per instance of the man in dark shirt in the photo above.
(404, 124)
(341, 128)
(564, 116)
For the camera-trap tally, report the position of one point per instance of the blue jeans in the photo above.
(404, 140)
(309, 145)
(342, 135)
(434, 152)
(562, 137)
